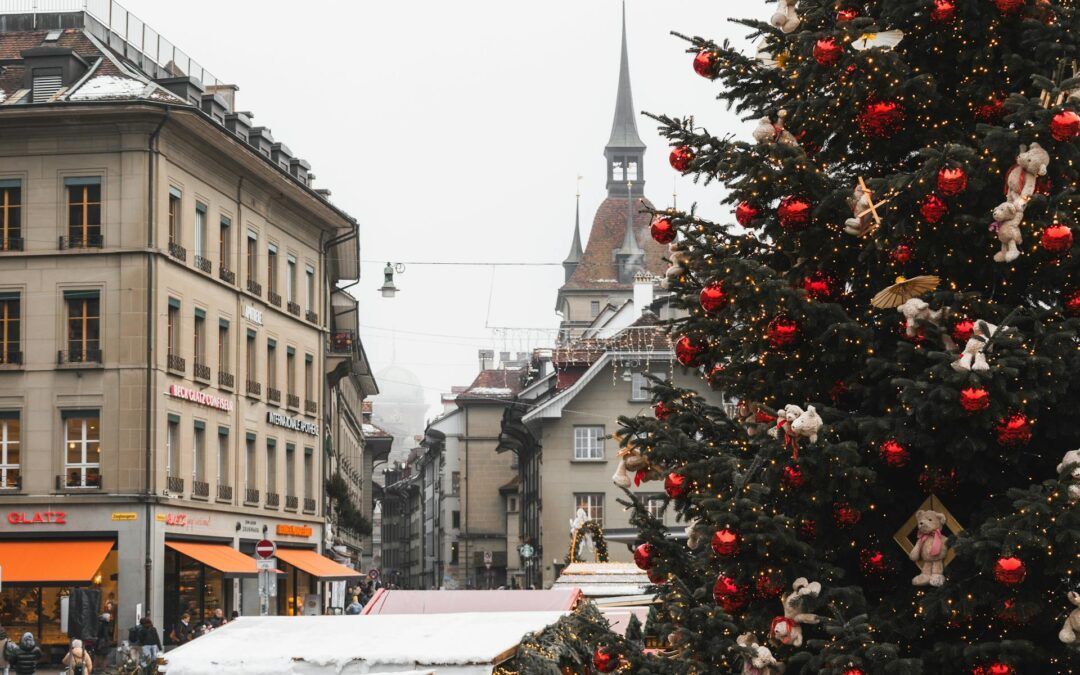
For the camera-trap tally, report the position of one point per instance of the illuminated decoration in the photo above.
(769, 584)
(1014, 431)
(1056, 238)
(902, 254)
(873, 563)
(845, 515)
(894, 455)
(1010, 571)
(974, 399)
(596, 531)
(681, 157)
(1009, 6)
(903, 536)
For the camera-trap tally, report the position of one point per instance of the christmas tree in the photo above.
(895, 319)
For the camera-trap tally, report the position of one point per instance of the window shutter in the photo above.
(47, 81)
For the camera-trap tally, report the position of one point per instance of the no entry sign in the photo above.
(265, 549)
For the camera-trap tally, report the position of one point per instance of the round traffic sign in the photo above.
(373, 573)
(265, 549)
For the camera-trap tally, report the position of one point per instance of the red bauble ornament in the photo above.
(1056, 238)
(881, 119)
(745, 213)
(1065, 126)
(819, 286)
(782, 332)
(663, 231)
(838, 391)
(933, 208)
(853, 671)
(793, 213)
(827, 51)
(963, 330)
(902, 254)
(705, 63)
(807, 530)
(681, 157)
(990, 111)
(994, 669)
(688, 352)
(604, 660)
(1009, 6)
(661, 411)
(944, 11)
(769, 584)
(847, 15)
(951, 181)
(676, 485)
(656, 576)
(1009, 571)
(974, 399)
(1072, 303)
(725, 542)
(894, 455)
(729, 595)
(792, 477)
(846, 515)
(643, 556)
(1014, 431)
(713, 297)
(873, 563)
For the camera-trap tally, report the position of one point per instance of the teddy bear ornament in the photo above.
(1072, 459)
(787, 629)
(757, 659)
(1070, 632)
(930, 549)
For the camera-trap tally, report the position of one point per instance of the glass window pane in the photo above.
(93, 214)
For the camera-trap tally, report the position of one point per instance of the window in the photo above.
(175, 202)
(10, 215)
(309, 377)
(200, 229)
(198, 462)
(223, 456)
(172, 335)
(290, 469)
(593, 505)
(455, 482)
(271, 465)
(223, 346)
(251, 464)
(200, 336)
(271, 268)
(309, 471)
(511, 505)
(172, 447)
(252, 356)
(310, 287)
(290, 279)
(290, 371)
(271, 364)
(225, 243)
(10, 334)
(631, 169)
(640, 384)
(9, 450)
(252, 256)
(82, 443)
(654, 504)
(594, 308)
(84, 212)
(84, 325)
(453, 553)
(588, 443)
(46, 82)
(455, 519)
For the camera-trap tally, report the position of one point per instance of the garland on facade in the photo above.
(588, 527)
(349, 516)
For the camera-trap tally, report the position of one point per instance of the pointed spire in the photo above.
(573, 259)
(624, 133)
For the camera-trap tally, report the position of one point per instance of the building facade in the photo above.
(165, 275)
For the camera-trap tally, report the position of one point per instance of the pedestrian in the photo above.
(217, 620)
(354, 607)
(23, 656)
(77, 661)
(105, 639)
(149, 643)
(234, 616)
(183, 631)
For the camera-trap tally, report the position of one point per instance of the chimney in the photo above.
(504, 357)
(300, 170)
(260, 139)
(280, 153)
(227, 92)
(643, 293)
(185, 86)
(544, 356)
(487, 359)
(239, 123)
(324, 193)
(214, 106)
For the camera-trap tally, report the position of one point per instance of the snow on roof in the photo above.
(491, 391)
(469, 644)
(109, 86)
(454, 602)
(604, 580)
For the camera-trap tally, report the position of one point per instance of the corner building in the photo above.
(164, 277)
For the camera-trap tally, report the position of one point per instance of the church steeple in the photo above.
(574, 257)
(625, 150)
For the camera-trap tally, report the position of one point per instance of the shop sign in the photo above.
(253, 315)
(125, 516)
(279, 420)
(248, 525)
(183, 520)
(294, 530)
(200, 397)
(38, 518)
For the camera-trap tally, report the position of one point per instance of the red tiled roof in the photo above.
(597, 268)
(495, 383)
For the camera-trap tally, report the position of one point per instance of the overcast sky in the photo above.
(455, 131)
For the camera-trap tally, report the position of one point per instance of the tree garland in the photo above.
(589, 527)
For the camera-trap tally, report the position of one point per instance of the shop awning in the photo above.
(225, 559)
(316, 565)
(51, 562)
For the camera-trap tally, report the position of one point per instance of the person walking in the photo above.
(354, 607)
(77, 661)
(104, 647)
(149, 643)
(23, 656)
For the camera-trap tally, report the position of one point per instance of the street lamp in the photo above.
(388, 289)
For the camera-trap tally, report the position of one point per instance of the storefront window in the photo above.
(297, 586)
(191, 587)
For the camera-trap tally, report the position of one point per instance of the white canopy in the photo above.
(438, 644)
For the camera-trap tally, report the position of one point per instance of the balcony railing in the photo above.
(311, 407)
(91, 356)
(274, 298)
(309, 505)
(200, 489)
(204, 265)
(227, 275)
(227, 380)
(176, 363)
(177, 251)
(292, 401)
(224, 493)
(273, 395)
(254, 287)
(202, 371)
(273, 500)
(11, 244)
(11, 358)
(311, 316)
(293, 308)
(341, 342)
(251, 497)
(291, 502)
(254, 388)
(175, 485)
(82, 242)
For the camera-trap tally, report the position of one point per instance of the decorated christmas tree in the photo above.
(894, 319)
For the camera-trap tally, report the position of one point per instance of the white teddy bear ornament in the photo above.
(1072, 457)
(1031, 165)
(770, 130)
(916, 310)
(1071, 630)
(797, 423)
(1007, 218)
(757, 659)
(786, 18)
(860, 222)
(973, 358)
(787, 629)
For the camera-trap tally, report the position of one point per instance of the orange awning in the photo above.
(316, 565)
(225, 559)
(51, 561)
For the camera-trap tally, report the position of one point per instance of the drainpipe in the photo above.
(151, 202)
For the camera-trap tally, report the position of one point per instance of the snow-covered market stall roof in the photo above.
(464, 644)
(604, 580)
(386, 601)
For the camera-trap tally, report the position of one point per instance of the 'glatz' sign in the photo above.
(279, 420)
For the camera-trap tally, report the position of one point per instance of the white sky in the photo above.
(454, 131)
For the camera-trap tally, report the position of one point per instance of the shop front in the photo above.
(306, 580)
(199, 578)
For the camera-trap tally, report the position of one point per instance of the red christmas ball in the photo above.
(1072, 303)
(782, 332)
(794, 213)
(1009, 6)
(792, 477)
(994, 669)
(1056, 238)
(963, 330)
(974, 399)
(604, 660)
(663, 231)
(933, 208)
(1065, 126)
(1014, 431)
(705, 63)
(853, 671)
(676, 485)
(807, 530)
(656, 576)
(661, 411)
(688, 352)
(819, 286)
(1009, 571)
(681, 157)
(729, 595)
(643, 556)
(827, 51)
(873, 563)
(713, 297)
(881, 119)
(991, 110)
(902, 254)
(846, 515)
(894, 455)
(745, 213)
(838, 391)
(847, 15)
(944, 11)
(769, 584)
(951, 181)
(725, 542)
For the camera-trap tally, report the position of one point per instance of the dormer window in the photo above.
(47, 81)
